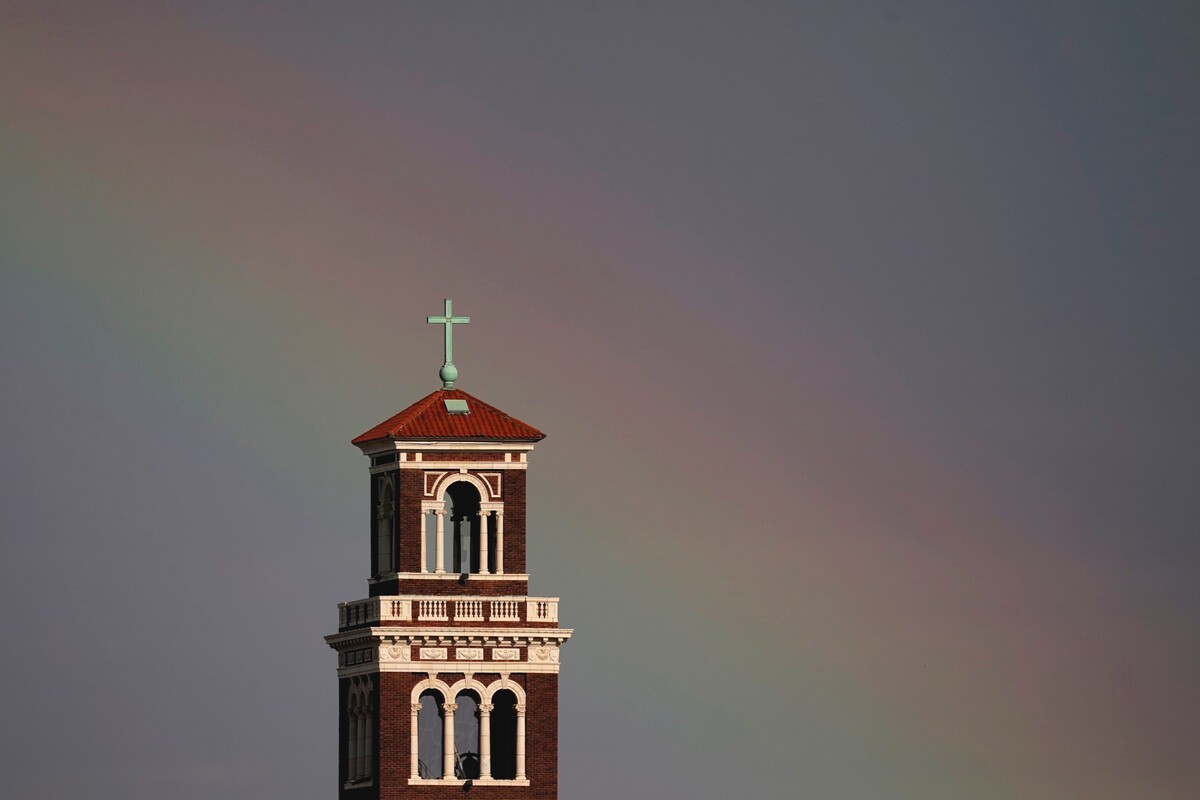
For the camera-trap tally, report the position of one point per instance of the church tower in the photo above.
(448, 670)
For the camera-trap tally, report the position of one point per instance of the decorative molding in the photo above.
(543, 653)
(395, 652)
(452, 465)
(450, 576)
(368, 650)
(460, 782)
(431, 481)
(379, 447)
(463, 474)
(468, 653)
(493, 481)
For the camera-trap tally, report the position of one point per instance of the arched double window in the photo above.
(360, 730)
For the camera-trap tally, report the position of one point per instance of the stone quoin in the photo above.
(448, 669)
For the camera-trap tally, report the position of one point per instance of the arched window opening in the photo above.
(384, 515)
(352, 743)
(429, 736)
(360, 731)
(466, 736)
(462, 527)
(504, 735)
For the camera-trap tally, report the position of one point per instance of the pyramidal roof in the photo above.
(454, 415)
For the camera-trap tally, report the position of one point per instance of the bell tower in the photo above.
(448, 669)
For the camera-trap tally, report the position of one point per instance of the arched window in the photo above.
(360, 731)
(504, 735)
(462, 528)
(466, 736)
(384, 515)
(429, 735)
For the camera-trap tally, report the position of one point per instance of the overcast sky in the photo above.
(865, 337)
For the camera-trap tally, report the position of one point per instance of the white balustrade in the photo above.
(542, 610)
(505, 611)
(471, 610)
(410, 608)
(430, 608)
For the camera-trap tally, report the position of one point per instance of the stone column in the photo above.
(499, 541)
(448, 710)
(520, 741)
(441, 540)
(424, 536)
(414, 741)
(483, 541)
(485, 741)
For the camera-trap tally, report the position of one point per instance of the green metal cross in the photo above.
(448, 373)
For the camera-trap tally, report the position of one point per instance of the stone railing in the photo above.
(416, 609)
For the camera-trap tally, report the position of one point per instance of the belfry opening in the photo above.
(466, 530)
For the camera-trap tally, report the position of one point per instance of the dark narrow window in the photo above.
(504, 735)
(429, 735)
(383, 534)
(466, 736)
(462, 528)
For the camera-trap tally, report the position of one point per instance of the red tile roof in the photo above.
(428, 419)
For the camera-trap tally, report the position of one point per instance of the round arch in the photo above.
(480, 485)
(469, 683)
(436, 685)
(504, 683)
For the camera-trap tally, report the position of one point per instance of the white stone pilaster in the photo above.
(441, 541)
(485, 741)
(483, 541)
(499, 541)
(520, 741)
(448, 710)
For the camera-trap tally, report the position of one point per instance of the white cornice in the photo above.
(450, 465)
(448, 636)
(380, 639)
(388, 445)
(450, 576)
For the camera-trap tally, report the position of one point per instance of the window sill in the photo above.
(359, 784)
(460, 782)
(449, 576)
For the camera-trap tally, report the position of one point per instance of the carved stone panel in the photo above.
(433, 654)
(395, 652)
(506, 654)
(543, 653)
(468, 653)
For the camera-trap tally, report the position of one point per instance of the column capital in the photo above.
(449, 708)
(416, 708)
(486, 708)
